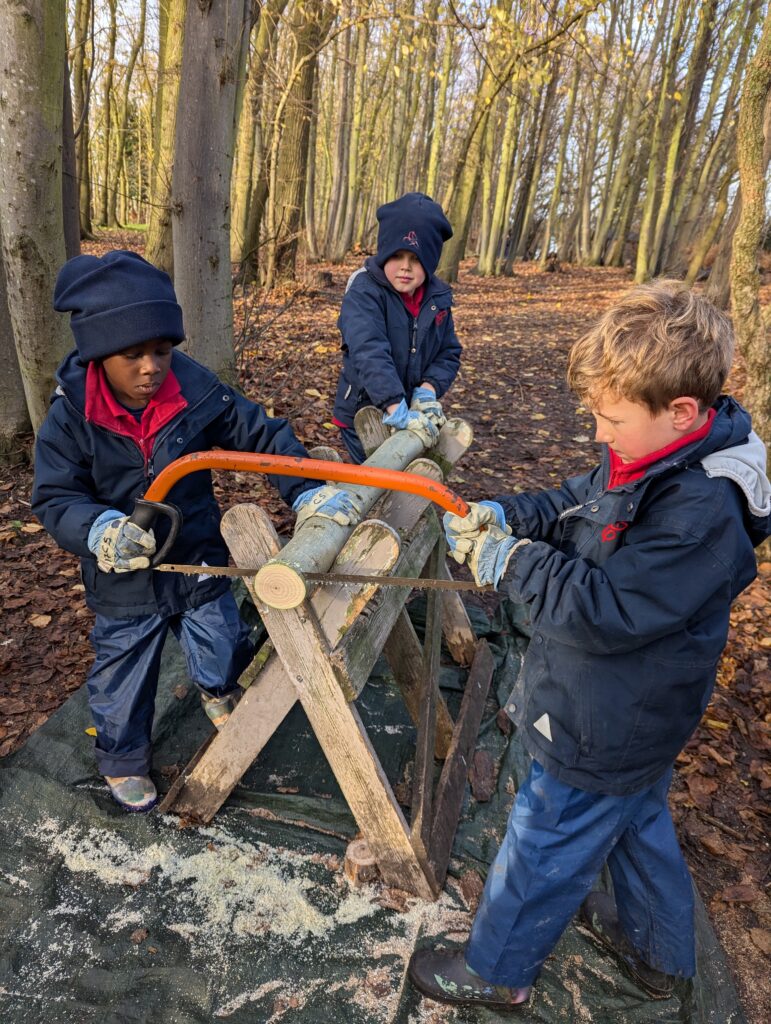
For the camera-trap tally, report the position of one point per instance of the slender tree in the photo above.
(32, 43)
(214, 58)
(750, 322)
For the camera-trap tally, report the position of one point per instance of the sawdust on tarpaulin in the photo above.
(224, 891)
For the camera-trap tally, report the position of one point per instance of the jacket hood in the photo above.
(745, 464)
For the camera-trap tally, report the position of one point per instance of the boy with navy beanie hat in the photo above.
(398, 339)
(128, 403)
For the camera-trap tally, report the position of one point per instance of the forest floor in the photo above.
(530, 432)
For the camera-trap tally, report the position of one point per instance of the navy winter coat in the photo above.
(386, 351)
(629, 592)
(82, 469)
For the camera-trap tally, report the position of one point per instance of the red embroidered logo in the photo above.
(440, 317)
(612, 530)
(411, 239)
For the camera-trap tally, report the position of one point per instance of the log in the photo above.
(458, 632)
(368, 424)
(281, 583)
(359, 865)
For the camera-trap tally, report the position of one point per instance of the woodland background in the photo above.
(576, 146)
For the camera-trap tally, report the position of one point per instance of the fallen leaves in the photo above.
(39, 621)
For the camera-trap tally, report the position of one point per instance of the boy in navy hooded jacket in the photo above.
(400, 350)
(628, 572)
(128, 403)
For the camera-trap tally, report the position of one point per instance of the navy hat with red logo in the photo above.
(416, 223)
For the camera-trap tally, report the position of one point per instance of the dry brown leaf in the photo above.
(739, 894)
(39, 621)
(31, 528)
(762, 939)
(714, 845)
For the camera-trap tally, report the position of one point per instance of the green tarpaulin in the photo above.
(114, 918)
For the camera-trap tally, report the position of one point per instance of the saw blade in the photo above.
(330, 578)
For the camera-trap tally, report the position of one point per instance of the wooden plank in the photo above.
(179, 783)
(458, 632)
(423, 778)
(403, 652)
(448, 799)
(357, 652)
(304, 651)
(271, 694)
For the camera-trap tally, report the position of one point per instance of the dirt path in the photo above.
(529, 433)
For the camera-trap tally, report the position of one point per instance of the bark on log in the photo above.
(281, 583)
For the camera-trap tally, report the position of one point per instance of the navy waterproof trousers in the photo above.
(557, 840)
(124, 676)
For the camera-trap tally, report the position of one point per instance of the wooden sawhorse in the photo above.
(322, 652)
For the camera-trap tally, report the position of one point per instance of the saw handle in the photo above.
(144, 515)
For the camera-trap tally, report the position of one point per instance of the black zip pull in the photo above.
(414, 334)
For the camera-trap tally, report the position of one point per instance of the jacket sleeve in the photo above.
(537, 514)
(244, 426)
(444, 369)
(363, 328)
(63, 493)
(650, 587)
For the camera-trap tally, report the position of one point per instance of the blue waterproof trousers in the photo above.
(557, 840)
(124, 677)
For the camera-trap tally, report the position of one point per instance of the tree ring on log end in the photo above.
(280, 586)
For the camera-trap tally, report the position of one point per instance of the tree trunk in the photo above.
(289, 150)
(109, 73)
(70, 214)
(159, 244)
(122, 120)
(214, 54)
(32, 41)
(82, 70)
(718, 288)
(752, 328)
(14, 418)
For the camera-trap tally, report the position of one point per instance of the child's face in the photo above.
(633, 431)
(404, 271)
(136, 373)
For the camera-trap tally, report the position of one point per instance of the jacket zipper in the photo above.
(414, 334)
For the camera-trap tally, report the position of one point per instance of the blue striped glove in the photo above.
(120, 546)
(329, 502)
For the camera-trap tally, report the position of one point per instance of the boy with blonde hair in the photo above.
(628, 572)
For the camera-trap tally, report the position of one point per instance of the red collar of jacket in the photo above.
(627, 472)
(104, 410)
(412, 302)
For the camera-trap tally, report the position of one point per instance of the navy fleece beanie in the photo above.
(416, 223)
(116, 301)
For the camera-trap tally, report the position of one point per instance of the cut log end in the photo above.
(360, 866)
(280, 586)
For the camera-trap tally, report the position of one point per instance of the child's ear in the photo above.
(684, 412)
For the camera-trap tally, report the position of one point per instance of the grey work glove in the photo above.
(424, 400)
(120, 546)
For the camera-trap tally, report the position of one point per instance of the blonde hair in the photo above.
(659, 342)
